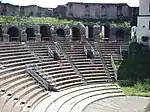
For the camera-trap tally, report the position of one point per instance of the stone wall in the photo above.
(9, 10)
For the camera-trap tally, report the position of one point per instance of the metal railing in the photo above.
(103, 60)
(51, 52)
(71, 63)
(120, 52)
(91, 49)
(35, 71)
(114, 67)
(85, 50)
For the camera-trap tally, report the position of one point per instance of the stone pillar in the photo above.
(87, 32)
(37, 37)
(5, 38)
(23, 37)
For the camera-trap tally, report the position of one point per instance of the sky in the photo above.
(54, 3)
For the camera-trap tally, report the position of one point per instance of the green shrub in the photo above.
(142, 86)
(136, 66)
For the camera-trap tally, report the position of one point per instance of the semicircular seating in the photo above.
(17, 87)
(21, 92)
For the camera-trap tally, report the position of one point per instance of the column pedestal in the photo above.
(5, 38)
(23, 37)
(38, 37)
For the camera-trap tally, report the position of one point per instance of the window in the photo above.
(86, 6)
(70, 5)
(119, 11)
(103, 11)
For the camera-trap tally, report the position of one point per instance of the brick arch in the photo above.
(30, 33)
(60, 32)
(45, 32)
(120, 35)
(13, 32)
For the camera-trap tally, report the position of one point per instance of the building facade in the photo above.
(143, 27)
(73, 10)
(97, 11)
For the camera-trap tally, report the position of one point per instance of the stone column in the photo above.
(37, 33)
(23, 37)
(37, 37)
(5, 38)
(87, 32)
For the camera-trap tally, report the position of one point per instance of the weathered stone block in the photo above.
(23, 37)
(5, 38)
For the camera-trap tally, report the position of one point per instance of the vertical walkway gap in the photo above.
(103, 61)
(60, 48)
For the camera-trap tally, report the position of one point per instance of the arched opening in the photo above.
(1, 32)
(120, 35)
(60, 32)
(106, 32)
(103, 11)
(90, 32)
(45, 33)
(30, 34)
(76, 34)
(13, 34)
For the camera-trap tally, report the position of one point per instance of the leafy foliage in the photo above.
(136, 67)
(17, 20)
(139, 88)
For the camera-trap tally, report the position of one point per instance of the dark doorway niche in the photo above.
(30, 34)
(106, 32)
(13, 34)
(119, 35)
(60, 32)
(76, 34)
(1, 34)
(90, 32)
(45, 33)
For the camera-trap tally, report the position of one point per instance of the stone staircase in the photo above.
(60, 71)
(91, 69)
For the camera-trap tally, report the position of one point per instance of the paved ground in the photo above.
(119, 104)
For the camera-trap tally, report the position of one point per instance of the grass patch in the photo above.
(137, 89)
(131, 91)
